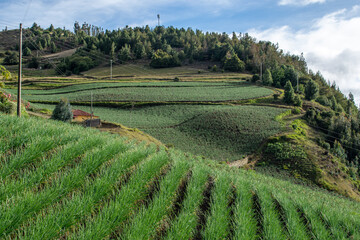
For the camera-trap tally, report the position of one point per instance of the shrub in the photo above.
(62, 111)
(323, 100)
(285, 151)
(176, 79)
(297, 101)
(11, 59)
(255, 77)
(296, 110)
(34, 63)
(214, 68)
(7, 107)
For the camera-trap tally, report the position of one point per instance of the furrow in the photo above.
(158, 208)
(56, 221)
(184, 224)
(126, 202)
(218, 221)
(29, 202)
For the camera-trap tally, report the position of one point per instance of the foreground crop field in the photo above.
(64, 182)
(223, 133)
(151, 91)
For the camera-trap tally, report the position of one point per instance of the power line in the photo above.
(41, 52)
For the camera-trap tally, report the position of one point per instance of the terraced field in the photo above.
(60, 181)
(223, 133)
(151, 91)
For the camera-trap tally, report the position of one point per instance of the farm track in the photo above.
(120, 190)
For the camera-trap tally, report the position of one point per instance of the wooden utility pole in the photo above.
(19, 77)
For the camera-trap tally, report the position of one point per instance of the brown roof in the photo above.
(77, 112)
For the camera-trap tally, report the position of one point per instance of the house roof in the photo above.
(77, 112)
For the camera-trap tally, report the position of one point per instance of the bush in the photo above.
(297, 101)
(214, 68)
(276, 96)
(7, 107)
(62, 111)
(176, 79)
(34, 63)
(255, 77)
(296, 110)
(323, 100)
(11, 59)
(285, 151)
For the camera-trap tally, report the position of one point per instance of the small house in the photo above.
(81, 116)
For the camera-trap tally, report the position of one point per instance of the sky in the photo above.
(327, 32)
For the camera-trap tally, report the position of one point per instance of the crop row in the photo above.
(120, 190)
(153, 93)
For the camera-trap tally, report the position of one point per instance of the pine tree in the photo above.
(289, 93)
(267, 79)
(311, 90)
(62, 111)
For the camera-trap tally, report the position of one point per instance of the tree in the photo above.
(125, 53)
(290, 75)
(161, 59)
(51, 28)
(4, 75)
(289, 93)
(53, 47)
(278, 75)
(34, 63)
(27, 51)
(234, 64)
(267, 78)
(11, 59)
(139, 51)
(62, 111)
(311, 90)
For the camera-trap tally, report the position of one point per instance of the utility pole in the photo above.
(91, 109)
(110, 69)
(19, 77)
(261, 71)
(158, 16)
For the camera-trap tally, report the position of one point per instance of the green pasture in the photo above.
(60, 181)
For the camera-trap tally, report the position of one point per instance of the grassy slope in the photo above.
(106, 192)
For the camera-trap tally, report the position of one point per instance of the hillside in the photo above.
(203, 93)
(63, 181)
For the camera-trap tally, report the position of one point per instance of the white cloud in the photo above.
(65, 12)
(330, 45)
(299, 2)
